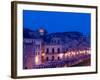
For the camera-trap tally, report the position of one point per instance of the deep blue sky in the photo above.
(57, 21)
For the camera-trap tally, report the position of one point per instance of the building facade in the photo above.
(41, 48)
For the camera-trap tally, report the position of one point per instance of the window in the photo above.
(37, 46)
(47, 59)
(52, 50)
(37, 53)
(54, 41)
(58, 41)
(47, 50)
(52, 58)
(58, 58)
(58, 50)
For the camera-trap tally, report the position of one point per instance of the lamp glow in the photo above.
(61, 55)
(36, 59)
(43, 54)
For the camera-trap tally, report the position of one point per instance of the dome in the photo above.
(42, 31)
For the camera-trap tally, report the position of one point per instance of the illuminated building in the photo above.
(42, 48)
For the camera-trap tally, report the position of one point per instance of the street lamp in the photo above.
(36, 59)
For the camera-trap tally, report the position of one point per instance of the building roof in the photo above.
(30, 34)
(62, 36)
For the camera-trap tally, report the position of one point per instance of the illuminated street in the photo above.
(80, 58)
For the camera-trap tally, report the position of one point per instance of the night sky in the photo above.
(57, 21)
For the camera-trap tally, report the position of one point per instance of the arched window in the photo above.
(58, 58)
(52, 50)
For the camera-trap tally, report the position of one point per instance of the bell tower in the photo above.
(42, 31)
